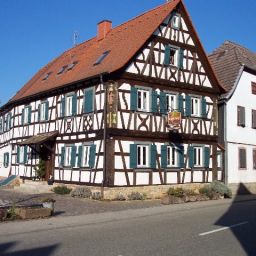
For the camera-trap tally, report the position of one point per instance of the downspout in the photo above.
(226, 144)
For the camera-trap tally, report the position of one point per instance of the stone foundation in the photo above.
(242, 188)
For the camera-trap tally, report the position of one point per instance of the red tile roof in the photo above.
(122, 41)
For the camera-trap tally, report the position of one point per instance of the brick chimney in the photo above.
(103, 28)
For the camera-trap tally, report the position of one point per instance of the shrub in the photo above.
(207, 190)
(82, 192)
(62, 190)
(11, 214)
(120, 197)
(137, 196)
(190, 192)
(177, 192)
(96, 196)
(221, 189)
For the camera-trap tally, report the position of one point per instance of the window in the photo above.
(253, 119)
(142, 156)
(175, 21)
(195, 106)
(242, 158)
(22, 154)
(85, 156)
(46, 76)
(43, 111)
(1, 125)
(61, 70)
(171, 103)
(101, 58)
(6, 160)
(173, 56)
(68, 156)
(88, 100)
(26, 115)
(69, 105)
(254, 88)
(8, 122)
(241, 116)
(171, 156)
(143, 100)
(72, 65)
(254, 158)
(198, 156)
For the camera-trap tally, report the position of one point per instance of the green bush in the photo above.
(137, 196)
(82, 192)
(190, 192)
(178, 192)
(207, 190)
(120, 197)
(96, 196)
(214, 188)
(62, 190)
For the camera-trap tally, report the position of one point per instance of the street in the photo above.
(204, 228)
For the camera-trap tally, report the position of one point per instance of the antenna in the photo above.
(75, 37)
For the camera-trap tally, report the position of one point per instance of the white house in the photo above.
(235, 67)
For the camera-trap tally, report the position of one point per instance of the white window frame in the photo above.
(143, 156)
(174, 59)
(68, 156)
(26, 113)
(196, 109)
(176, 21)
(69, 105)
(21, 154)
(86, 155)
(43, 111)
(171, 98)
(143, 99)
(172, 156)
(198, 156)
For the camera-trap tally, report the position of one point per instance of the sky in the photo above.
(33, 32)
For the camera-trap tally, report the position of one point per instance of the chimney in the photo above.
(103, 28)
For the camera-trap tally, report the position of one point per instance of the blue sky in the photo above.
(33, 32)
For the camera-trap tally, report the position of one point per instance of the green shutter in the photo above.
(180, 104)
(153, 154)
(206, 157)
(18, 154)
(154, 101)
(133, 156)
(7, 159)
(22, 116)
(29, 114)
(25, 154)
(188, 105)
(80, 152)
(92, 156)
(181, 58)
(39, 113)
(74, 105)
(163, 107)
(73, 156)
(63, 107)
(133, 97)
(88, 101)
(46, 110)
(204, 113)
(10, 120)
(62, 156)
(180, 151)
(163, 156)
(191, 157)
(167, 53)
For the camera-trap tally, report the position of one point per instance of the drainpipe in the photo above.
(226, 143)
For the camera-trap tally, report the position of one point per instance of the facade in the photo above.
(98, 114)
(235, 67)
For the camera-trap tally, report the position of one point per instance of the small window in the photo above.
(143, 100)
(171, 102)
(142, 156)
(195, 106)
(253, 119)
(172, 156)
(171, 54)
(72, 65)
(8, 122)
(175, 21)
(21, 154)
(242, 158)
(86, 156)
(61, 70)
(6, 159)
(253, 88)
(26, 115)
(46, 76)
(241, 116)
(254, 158)
(43, 111)
(1, 125)
(198, 156)
(69, 100)
(101, 58)
(68, 156)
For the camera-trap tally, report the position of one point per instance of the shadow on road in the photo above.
(40, 251)
(243, 220)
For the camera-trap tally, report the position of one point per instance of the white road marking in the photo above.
(221, 229)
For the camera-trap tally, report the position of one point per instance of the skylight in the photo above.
(46, 76)
(61, 70)
(101, 58)
(71, 66)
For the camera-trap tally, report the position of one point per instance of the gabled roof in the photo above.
(122, 42)
(227, 61)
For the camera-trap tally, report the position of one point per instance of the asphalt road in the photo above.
(205, 228)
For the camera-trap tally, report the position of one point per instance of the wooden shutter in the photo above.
(188, 105)
(153, 154)
(242, 158)
(22, 116)
(191, 156)
(88, 101)
(163, 156)
(18, 154)
(74, 105)
(92, 156)
(39, 113)
(10, 120)
(180, 151)
(25, 154)
(73, 156)
(80, 152)
(29, 114)
(133, 98)
(167, 53)
(162, 103)
(63, 107)
(133, 156)
(154, 101)
(203, 108)
(254, 159)
(181, 58)
(6, 159)
(180, 104)
(46, 110)
(206, 157)
(62, 156)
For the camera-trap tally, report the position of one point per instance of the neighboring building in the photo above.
(142, 69)
(235, 67)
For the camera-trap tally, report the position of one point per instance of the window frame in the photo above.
(253, 119)
(26, 114)
(145, 107)
(198, 151)
(175, 102)
(199, 107)
(66, 164)
(141, 155)
(172, 151)
(88, 146)
(21, 154)
(173, 24)
(240, 122)
(6, 161)
(67, 97)
(253, 160)
(239, 163)
(43, 117)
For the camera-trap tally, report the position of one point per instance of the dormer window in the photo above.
(61, 70)
(175, 21)
(101, 58)
(46, 76)
(171, 55)
(72, 65)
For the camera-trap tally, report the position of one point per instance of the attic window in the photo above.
(46, 76)
(101, 58)
(71, 66)
(175, 22)
(61, 70)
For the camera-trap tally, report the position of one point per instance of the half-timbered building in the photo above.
(235, 67)
(98, 114)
